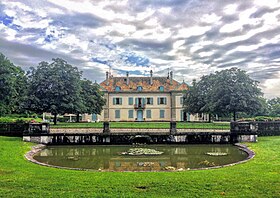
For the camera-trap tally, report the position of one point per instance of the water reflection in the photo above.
(109, 158)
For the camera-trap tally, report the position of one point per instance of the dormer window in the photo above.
(118, 88)
(139, 88)
(161, 88)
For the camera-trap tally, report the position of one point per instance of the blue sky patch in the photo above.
(97, 60)
(132, 58)
(8, 21)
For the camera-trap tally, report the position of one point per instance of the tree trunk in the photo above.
(55, 119)
(78, 117)
(209, 120)
(234, 116)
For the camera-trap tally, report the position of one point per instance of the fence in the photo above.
(267, 128)
(12, 129)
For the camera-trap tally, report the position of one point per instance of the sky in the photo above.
(192, 38)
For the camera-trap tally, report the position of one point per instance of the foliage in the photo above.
(15, 119)
(274, 106)
(91, 98)
(54, 88)
(12, 87)
(225, 92)
(194, 99)
(258, 177)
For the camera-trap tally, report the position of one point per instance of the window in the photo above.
(161, 100)
(117, 88)
(161, 113)
(148, 114)
(130, 113)
(140, 101)
(139, 88)
(149, 101)
(161, 88)
(117, 101)
(117, 114)
(130, 101)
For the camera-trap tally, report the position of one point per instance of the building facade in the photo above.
(144, 99)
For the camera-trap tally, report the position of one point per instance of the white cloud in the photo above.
(192, 31)
(191, 38)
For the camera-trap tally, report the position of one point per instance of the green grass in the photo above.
(151, 125)
(259, 177)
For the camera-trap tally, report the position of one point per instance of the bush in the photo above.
(9, 119)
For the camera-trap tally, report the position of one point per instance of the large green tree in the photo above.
(54, 87)
(225, 92)
(13, 84)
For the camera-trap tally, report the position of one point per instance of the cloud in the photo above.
(192, 38)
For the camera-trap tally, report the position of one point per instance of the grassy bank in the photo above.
(150, 125)
(259, 177)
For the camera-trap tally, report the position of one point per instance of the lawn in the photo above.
(150, 125)
(260, 177)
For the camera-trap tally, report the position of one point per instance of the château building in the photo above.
(144, 99)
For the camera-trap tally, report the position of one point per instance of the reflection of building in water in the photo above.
(108, 158)
(143, 164)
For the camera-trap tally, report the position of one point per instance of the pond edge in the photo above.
(37, 148)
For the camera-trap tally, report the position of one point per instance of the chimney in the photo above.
(107, 78)
(151, 77)
(127, 78)
(171, 78)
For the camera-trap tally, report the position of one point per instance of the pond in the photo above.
(119, 158)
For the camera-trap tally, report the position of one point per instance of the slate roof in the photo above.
(144, 82)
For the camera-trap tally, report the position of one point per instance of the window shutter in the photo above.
(136, 101)
(161, 114)
(130, 101)
(114, 101)
(117, 113)
(130, 113)
(120, 101)
(158, 100)
(165, 101)
(151, 100)
(148, 114)
(144, 100)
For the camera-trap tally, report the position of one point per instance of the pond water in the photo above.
(112, 158)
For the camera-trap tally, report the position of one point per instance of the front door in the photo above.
(139, 115)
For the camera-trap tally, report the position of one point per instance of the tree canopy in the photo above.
(54, 87)
(274, 106)
(91, 99)
(224, 92)
(57, 88)
(12, 87)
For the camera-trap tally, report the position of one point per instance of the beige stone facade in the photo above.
(144, 99)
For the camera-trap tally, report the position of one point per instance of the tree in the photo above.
(195, 98)
(227, 92)
(13, 84)
(54, 88)
(91, 99)
(274, 106)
